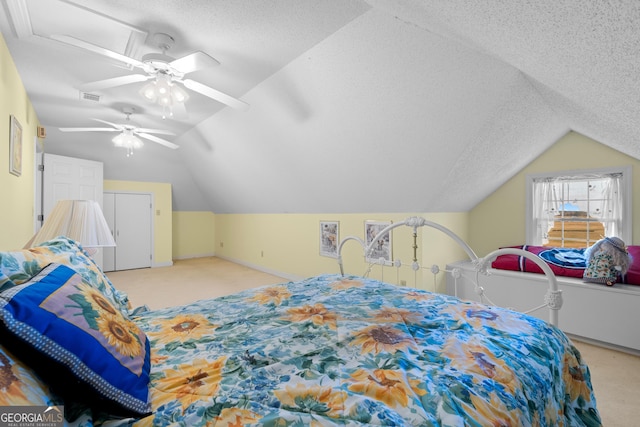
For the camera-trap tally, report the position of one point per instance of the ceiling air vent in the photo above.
(85, 96)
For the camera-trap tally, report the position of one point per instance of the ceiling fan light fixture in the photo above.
(164, 92)
(149, 92)
(130, 134)
(164, 100)
(128, 140)
(158, 66)
(163, 84)
(178, 94)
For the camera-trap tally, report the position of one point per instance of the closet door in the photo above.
(133, 231)
(130, 219)
(109, 211)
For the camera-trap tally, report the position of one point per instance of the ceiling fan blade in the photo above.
(96, 49)
(193, 62)
(88, 129)
(216, 94)
(158, 140)
(115, 126)
(113, 82)
(158, 131)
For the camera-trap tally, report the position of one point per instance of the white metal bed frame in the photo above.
(552, 298)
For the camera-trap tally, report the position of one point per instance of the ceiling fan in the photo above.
(164, 71)
(130, 134)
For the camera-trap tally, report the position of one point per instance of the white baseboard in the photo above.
(287, 276)
(205, 255)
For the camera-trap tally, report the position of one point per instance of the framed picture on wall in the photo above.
(15, 147)
(329, 240)
(382, 246)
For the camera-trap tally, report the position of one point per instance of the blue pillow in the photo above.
(71, 335)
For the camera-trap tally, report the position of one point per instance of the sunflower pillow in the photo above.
(74, 338)
(19, 266)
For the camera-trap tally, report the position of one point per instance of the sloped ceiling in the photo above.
(356, 106)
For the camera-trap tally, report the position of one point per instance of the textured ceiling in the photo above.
(355, 106)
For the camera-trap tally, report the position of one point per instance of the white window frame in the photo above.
(627, 222)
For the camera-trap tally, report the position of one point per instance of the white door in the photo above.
(69, 178)
(130, 217)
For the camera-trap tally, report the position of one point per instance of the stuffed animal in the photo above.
(607, 260)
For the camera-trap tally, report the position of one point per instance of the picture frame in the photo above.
(382, 250)
(15, 147)
(329, 238)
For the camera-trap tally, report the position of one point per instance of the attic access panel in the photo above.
(57, 17)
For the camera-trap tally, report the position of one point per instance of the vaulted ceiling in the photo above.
(355, 105)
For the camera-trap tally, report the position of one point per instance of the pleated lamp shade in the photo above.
(80, 220)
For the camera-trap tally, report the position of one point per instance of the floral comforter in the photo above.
(335, 350)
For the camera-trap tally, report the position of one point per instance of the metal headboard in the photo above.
(553, 296)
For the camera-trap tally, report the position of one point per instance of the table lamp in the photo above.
(80, 220)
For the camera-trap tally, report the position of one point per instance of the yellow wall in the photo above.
(289, 243)
(163, 218)
(193, 234)
(499, 220)
(17, 191)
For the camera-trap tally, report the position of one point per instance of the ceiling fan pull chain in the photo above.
(166, 108)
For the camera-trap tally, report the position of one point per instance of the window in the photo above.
(575, 209)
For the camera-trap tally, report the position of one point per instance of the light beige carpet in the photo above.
(615, 375)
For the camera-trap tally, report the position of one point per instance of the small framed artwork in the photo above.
(329, 231)
(382, 246)
(15, 147)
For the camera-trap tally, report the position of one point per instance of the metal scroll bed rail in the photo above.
(552, 298)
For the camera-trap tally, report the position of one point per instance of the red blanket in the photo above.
(568, 262)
